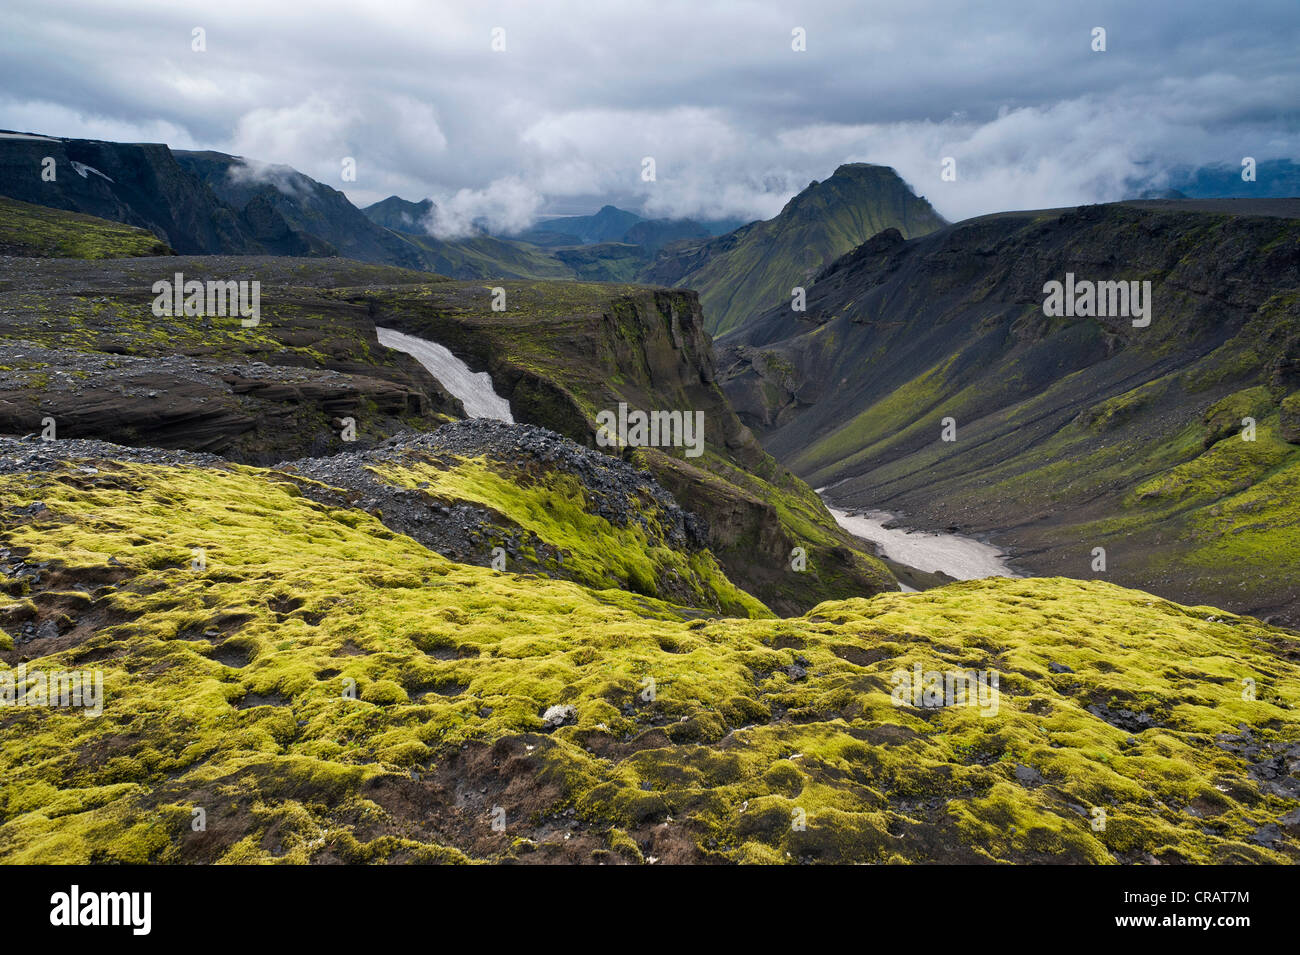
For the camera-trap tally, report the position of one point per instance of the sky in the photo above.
(505, 111)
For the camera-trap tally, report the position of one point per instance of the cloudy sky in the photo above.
(736, 119)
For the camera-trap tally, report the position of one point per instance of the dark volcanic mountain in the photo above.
(1071, 433)
(324, 217)
(610, 224)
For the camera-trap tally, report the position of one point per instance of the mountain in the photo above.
(614, 225)
(212, 203)
(139, 184)
(485, 256)
(324, 216)
(755, 267)
(41, 232)
(653, 234)
(1071, 433)
(610, 224)
(399, 214)
(1274, 178)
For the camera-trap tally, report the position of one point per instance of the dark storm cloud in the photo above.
(735, 119)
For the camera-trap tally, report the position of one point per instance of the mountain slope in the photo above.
(1071, 433)
(754, 268)
(562, 352)
(79, 343)
(41, 232)
(399, 214)
(310, 208)
(609, 224)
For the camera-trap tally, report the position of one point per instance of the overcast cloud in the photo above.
(736, 120)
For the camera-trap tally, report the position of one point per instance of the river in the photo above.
(955, 555)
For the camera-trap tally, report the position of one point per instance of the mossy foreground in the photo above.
(741, 740)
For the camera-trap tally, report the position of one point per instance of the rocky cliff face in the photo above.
(318, 218)
(79, 343)
(1071, 433)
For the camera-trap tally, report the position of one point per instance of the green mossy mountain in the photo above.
(754, 268)
(1072, 433)
(326, 690)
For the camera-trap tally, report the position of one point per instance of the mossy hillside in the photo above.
(1058, 421)
(41, 232)
(593, 551)
(793, 517)
(1055, 476)
(484, 257)
(224, 691)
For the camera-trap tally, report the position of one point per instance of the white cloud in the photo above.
(504, 206)
(736, 121)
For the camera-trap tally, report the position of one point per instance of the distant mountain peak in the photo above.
(746, 272)
(400, 215)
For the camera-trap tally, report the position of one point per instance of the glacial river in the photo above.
(961, 557)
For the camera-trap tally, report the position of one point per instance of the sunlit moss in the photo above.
(319, 654)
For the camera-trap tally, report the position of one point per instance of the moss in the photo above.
(736, 755)
(39, 231)
(1225, 416)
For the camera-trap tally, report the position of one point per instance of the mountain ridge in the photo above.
(756, 266)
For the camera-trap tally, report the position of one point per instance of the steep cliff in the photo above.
(80, 343)
(139, 184)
